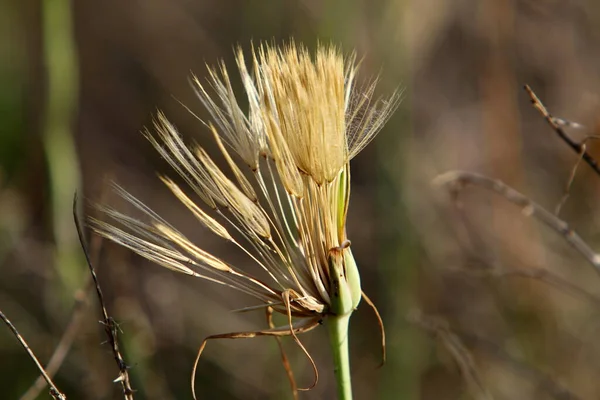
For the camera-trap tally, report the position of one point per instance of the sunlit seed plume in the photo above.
(286, 207)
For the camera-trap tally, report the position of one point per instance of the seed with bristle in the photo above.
(309, 120)
(286, 208)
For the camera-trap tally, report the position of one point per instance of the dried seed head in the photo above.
(306, 120)
(305, 99)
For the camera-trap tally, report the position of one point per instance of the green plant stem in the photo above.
(60, 61)
(338, 334)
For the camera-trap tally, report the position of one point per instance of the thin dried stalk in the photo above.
(301, 327)
(54, 392)
(66, 340)
(284, 358)
(110, 326)
(64, 345)
(578, 148)
(381, 327)
(457, 180)
(567, 191)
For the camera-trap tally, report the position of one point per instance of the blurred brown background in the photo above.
(73, 103)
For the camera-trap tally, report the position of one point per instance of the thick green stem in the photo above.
(338, 334)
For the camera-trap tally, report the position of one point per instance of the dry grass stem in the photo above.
(284, 359)
(54, 392)
(567, 191)
(457, 180)
(381, 327)
(110, 326)
(68, 336)
(65, 343)
(555, 123)
(297, 328)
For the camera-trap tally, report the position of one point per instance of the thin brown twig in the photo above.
(567, 191)
(63, 347)
(456, 180)
(54, 392)
(66, 341)
(300, 327)
(381, 327)
(110, 326)
(552, 121)
(77, 313)
(495, 270)
(284, 359)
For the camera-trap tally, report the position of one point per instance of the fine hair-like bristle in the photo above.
(306, 120)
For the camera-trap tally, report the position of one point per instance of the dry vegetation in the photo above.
(481, 299)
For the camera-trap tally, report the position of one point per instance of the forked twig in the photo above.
(456, 180)
(567, 191)
(110, 327)
(63, 347)
(578, 148)
(54, 392)
(381, 326)
(66, 341)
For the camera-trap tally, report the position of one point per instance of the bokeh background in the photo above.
(78, 82)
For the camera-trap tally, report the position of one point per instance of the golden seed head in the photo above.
(305, 122)
(305, 99)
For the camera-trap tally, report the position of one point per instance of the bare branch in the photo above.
(54, 392)
(456, 180)
(66, 341)
(567, 191)
(63, 347)
(110, 327)
(556, 126)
